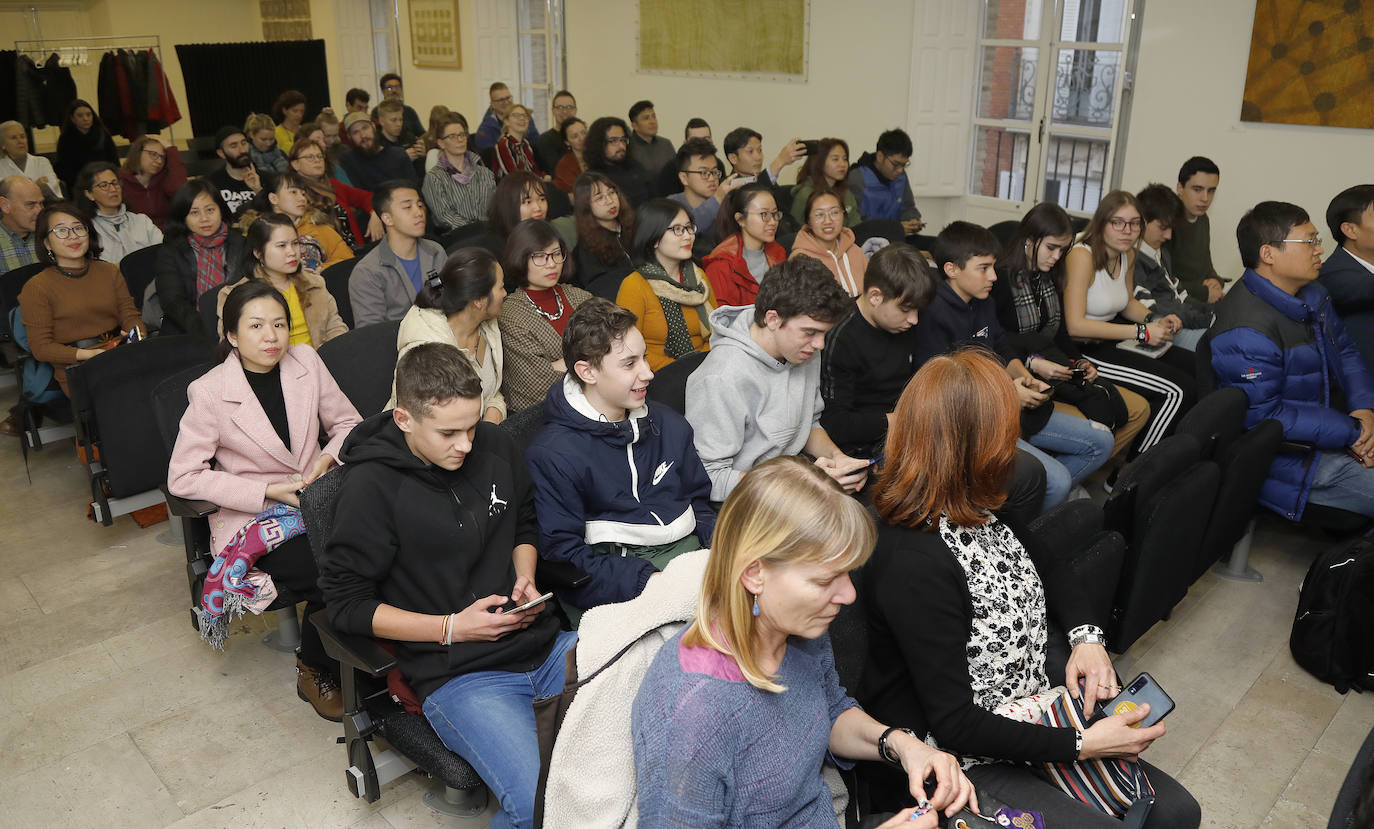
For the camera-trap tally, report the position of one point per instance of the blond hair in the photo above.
(783, 511)
(258, 121)
(505, 128)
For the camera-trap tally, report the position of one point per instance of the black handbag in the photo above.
(1098, 400)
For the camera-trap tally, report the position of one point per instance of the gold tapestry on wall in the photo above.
(434, 34)
(759, 39)
(285, 19)
(1311, 62)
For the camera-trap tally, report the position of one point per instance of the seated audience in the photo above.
(700, 189)
(1348, 273)
(384, 283)
(572, 136)
(120, 230)
(311, 132)
(1278, 339)
(605, 150)
(356, 100)
(150, 177)
(430, 139)
(766, 709)
(1190, 248)
(1155, 287)
(200, 252)
(824, 236)
(602, 442)
(16, 160)
(391, 130)
(78, 306)
(518, 197)
(757, 394)
(826, 169)
(1070, 448)
(746, 228)
(1098, 287)
(20, 203)
(605, 231)
(266, 155)
(461, 307)
(318, 243)
(249, 442)
(536, 313)
(554, 142)
(289, 113)
(342, 203)
(668, 181)
(330, 126)
(459, 187)
(275, 258)
(368, 162)
(84, 140)
(744, 150)
(1031, 313)
(986, 630)
(404, 565)
(649, 151)
(393, 90)
(513, 151)
(879, 182)
(238, 180)
(493, 120)
(668, 294)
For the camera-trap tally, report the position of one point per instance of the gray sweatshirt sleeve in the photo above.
(719, 419)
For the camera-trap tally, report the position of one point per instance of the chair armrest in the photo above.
(360, 652)
(1069, 527)
(185, 507)
(560, 574)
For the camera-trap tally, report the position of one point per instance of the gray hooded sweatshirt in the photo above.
(746, 407)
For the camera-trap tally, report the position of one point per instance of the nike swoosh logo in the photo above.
(661, 471)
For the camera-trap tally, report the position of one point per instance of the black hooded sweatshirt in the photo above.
(428, 540)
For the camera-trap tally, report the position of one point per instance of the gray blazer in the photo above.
(380, 290)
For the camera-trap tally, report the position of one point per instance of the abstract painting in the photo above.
(753, 39)
(1311, 62)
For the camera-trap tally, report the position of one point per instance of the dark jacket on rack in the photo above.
(28, 90)
(59, 89)
(75, 150)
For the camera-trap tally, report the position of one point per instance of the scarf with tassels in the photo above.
(209, 257)
(232, 586)
(673, 295)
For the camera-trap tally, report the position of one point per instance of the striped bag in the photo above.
(1112, 785)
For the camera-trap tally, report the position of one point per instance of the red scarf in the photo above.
(209, 257)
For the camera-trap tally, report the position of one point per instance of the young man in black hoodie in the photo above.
(434, 533)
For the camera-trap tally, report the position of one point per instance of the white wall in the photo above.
(1190, 79)
(857, 86)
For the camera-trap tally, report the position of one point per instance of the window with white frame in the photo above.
(541, 54)
(1050, 85)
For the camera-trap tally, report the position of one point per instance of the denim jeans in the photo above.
(487, 718)
(1057, 483)
(1343, 483)
(1070, 448)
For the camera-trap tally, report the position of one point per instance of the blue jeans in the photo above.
(1057, 482)
(1071, 448)
(487, 718)
(1343, 483)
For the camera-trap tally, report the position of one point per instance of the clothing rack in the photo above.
(76, 52)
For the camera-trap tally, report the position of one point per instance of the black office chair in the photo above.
(336, 278)
(363, 363)
(465, 236)
(138, 269)
(889, 229)
(208, 306)
(39, 422)
(1004, 231)
(669, 385)
(559, 203)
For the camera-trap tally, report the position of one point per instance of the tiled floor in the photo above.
(113, 713)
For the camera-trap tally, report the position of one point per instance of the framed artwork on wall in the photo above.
(762, 40)
(434, 35)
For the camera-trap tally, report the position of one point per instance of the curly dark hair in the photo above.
(594, 151)
(590, 234)
(801, 286)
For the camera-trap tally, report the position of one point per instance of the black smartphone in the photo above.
(812, 147)
(1139, 691)
(1079, 374)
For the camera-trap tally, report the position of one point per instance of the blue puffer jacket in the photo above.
(1286, 353)
(637, 482)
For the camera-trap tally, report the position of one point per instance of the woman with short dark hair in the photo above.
(84, 140)
(668, 293)
(289, 113)
(151, 176)
(121, 230)
(746, 225)
(200, 252)
(458, 189)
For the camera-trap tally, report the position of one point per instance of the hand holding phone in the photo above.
(527, 605)
(1138, 692)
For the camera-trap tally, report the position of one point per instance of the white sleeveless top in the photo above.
(1107, 297)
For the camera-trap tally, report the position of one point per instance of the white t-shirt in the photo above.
(35, 167)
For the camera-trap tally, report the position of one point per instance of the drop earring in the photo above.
(756, 604)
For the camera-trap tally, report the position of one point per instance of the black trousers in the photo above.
(292, 568)
(1167, 382)
(1021, 788)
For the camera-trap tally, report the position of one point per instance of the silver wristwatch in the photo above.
(1087, 635)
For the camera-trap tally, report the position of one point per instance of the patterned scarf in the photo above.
(230, 587)
(672, 295)
(463, 176)
(209, 257)
(1037, 304)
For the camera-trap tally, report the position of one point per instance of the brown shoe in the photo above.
(10, 426)
(320, 690)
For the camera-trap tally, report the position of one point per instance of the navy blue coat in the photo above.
(1351, 286)
(1286, 353)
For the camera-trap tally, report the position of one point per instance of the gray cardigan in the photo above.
(380, 290)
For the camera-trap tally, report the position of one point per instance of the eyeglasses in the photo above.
(564, 107)
(69, 231)
(832, 213)
(1125, 224)
(1315, 241)
(392, 87)
(106, 185)
(310, 157)
(767, 215)
(898, 165)
(681, 231)
(605, 197)
(505, 99)
(154, 153)
(544, 258)
(454, 136)
(709, 175)
(620, 140)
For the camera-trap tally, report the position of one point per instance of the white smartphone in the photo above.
(528, 605)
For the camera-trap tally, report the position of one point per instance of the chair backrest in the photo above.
(889, 229)
(524, 424)
(317, 510)
(208, 305)
(110, 393)
(139, 270)
(1216, 420)
(669, 385)
(460, 237)
(559, 203)
(1004, 231)
(170, 401)
(363, 362)
(336, 278)
(12, 284)
(1206, 376)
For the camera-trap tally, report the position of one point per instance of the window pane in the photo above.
(1076, 172)
(532, 14)
(1093, 21)
(1012, 19)
(382, 57)
(999, 163)
(1085, 87)
(1008, 89)
(533, 60)
(383, 12)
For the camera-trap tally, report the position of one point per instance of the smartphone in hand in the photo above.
(1139, 691)
(527, 605)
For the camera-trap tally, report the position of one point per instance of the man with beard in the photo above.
(237, 181)
(369, 163)
(606, 151)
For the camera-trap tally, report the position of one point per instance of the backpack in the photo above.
(1333, 630)
(39, 384)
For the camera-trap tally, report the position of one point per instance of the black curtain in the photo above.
(227, 81)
